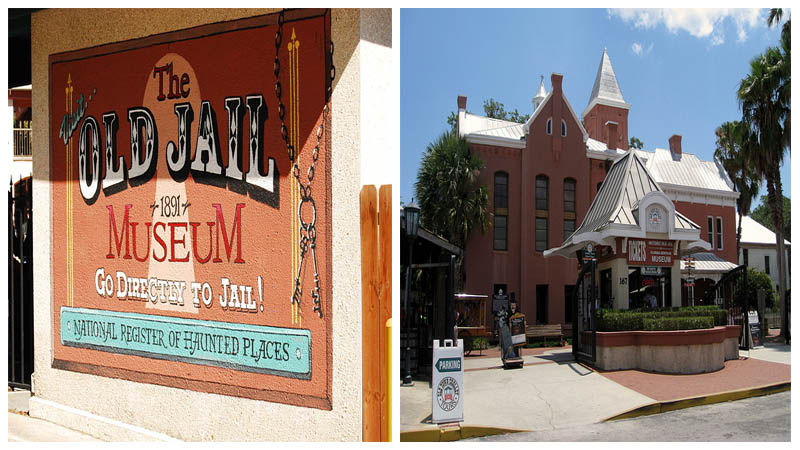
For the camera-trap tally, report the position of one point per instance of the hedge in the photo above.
(677, 323)
(633, 319)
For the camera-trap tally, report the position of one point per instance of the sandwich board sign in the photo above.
(448, 382)
(754, 329)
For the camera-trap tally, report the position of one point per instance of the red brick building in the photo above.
(543, 176)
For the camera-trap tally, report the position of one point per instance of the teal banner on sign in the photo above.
(448, 365)
(277, 351)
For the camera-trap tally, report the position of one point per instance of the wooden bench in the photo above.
(545, 331)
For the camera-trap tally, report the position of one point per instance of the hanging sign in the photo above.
(188, 246)
(650, 252)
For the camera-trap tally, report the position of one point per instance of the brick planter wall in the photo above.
(684, 351)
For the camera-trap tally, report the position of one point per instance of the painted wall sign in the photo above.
(650, 252)
(191, 184)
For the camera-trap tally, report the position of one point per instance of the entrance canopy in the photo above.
(630, 204)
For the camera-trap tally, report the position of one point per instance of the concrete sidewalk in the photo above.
(23, 428)
(553, 392)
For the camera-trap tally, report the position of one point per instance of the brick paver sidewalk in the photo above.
(737, 374)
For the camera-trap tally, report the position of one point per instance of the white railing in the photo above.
(23, 140)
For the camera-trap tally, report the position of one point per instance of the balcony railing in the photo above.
(23, 140)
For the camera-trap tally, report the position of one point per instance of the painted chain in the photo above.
(308, 231)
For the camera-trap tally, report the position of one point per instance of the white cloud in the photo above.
(637, 48)
(700, 23)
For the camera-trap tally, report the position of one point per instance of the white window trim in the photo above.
(549, 126)
(720, 241)
(711, 232)
(563, 128)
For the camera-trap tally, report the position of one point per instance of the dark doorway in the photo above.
(569, 291)
(646, 281)
(541, 303)
(605, 289)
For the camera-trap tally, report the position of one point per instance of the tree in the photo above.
(755, 280)
(765, 100)
(733, 142)
(636, 143)
(452, 120)
(763, 215)
(451, 200)
(496, 110)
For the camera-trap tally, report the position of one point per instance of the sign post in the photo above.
(447, 394)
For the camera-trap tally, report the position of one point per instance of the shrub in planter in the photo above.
(677, 323)
(633, 319)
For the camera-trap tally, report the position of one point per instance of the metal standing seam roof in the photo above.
(755, 233)
(475, 124)
(687, 170)
(600, 146)
(605, 83)
(709, 263)
(626, 184)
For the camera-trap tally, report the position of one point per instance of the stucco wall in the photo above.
(97, 404)
(755, 259)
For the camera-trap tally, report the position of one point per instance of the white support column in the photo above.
(675, 282)
(619, 279)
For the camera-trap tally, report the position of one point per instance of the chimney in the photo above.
(675, 145)
(612, 135)
(462, 103)
(555, 82)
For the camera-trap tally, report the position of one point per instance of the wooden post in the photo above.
(376, 298)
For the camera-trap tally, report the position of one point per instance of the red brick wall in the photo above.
(595, 124)
(522, 268)
(698, 213)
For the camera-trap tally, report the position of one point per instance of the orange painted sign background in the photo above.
(187, 249)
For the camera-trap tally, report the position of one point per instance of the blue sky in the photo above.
(678, 69)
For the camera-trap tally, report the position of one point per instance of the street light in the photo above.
(411, 216)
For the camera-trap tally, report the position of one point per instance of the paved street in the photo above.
(755, 419)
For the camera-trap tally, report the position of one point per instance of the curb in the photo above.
(673, 405)
(449, 433)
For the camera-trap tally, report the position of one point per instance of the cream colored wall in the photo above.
(107, 407)
(675, 281)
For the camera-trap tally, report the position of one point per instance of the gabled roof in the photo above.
(626, 183)
(755, 233)
(617, 204)
(606, 89)
(526, 127)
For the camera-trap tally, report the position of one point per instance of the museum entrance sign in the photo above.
(191, 211)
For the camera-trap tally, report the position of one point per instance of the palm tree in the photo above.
(733, 142)
(766, 104)
(452, 202)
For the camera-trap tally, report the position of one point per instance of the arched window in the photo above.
(563, 128)
(542, 214)
(501, 211)
(549, 125)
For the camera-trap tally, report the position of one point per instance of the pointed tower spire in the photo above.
(540, 95)
(606, 89)
(606, 115)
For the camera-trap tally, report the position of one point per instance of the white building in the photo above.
(757, 250)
